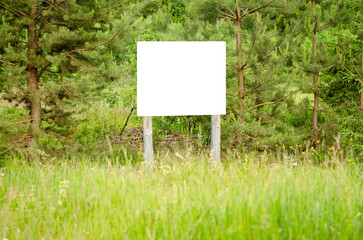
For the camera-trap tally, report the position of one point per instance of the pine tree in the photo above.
(267, 36)
(250, 26)
(324, 14)
(54, 51)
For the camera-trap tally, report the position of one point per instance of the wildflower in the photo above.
(2, 174)
(92, 169)
(343, 160)
(302, 153)
(178, 155)
(332, 148)
(351, 139)
(349, 160)
(294, 164)
(318, 141)
(59, 202)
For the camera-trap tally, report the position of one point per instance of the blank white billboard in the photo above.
(181, 78)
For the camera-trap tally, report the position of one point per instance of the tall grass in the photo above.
(183, 198)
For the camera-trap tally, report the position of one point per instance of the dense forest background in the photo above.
(68, 75)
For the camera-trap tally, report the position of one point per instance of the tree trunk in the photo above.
(361, 82)
(32, 83)
(240, 67)
(258, 102)
(316, 90)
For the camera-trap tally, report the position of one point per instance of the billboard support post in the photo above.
(148, 143)
(215, 149)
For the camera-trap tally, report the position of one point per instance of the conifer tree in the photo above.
(237, 11)
(324, 14)
(267, 36)
(54, 51)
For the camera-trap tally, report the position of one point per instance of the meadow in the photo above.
(184, 197)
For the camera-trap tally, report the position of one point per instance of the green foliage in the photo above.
(276, 45)
(72, 53)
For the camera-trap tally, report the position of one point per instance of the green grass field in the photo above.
(183, 198)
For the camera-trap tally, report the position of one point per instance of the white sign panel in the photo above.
(181, 78)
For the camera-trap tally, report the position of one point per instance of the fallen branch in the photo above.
(127, 120)
(172, 120)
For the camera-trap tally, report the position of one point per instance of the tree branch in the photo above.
(326, 68)
(359, 74)
(29, 120)
(19, 83)
(233, 110)
(230, 94)
(15, 12)
(252, 90)
(71, 94)
(273, 102)
(109, 40)
(43, 69)
(244, 14)
(244, 134)
(2, 61)
(228, 64)
(233, 14)
(258, 8)
(91, 48)
(226, 14)
(349, 71)
(302, 69)
(74, 59)
(85, 22)
(166, 30)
